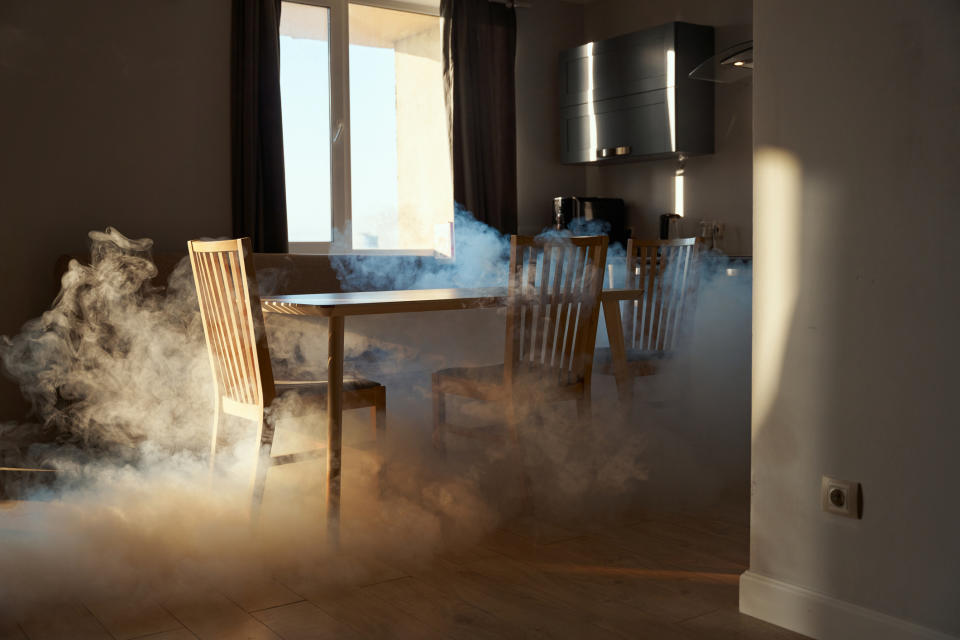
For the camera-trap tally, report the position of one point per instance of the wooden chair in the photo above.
(648, 328)
(240, 359)
(552, 312)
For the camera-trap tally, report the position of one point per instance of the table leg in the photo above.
(618, 350)
(334, 425)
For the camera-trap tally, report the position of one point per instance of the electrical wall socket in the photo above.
(840, 497)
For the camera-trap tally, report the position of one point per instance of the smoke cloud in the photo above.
(119, 381)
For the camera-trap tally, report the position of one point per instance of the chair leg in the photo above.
(378, 415)
(625, 391)
(261, 465)
(624, 388)
(215, 433)
(513, 417)
(512, 420)
(439, 417)
(584, 407)
(618, 355)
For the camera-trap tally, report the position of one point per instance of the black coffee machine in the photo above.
(590, 216)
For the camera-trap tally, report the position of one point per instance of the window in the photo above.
(365, 137)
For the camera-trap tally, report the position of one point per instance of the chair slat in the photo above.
(684, 283)
(628, 308)
(554, 288)
(207, 315)
(542, 321)
(514, 308)
(245, 333)
(231, 316)
(227, 322)
(553, 315)
(670, 270)
(232, 330)
(592, 283)
(578, 315)
(653, 308)
(576, 290)
(677, 292)
(576, 311)
(256, 339)
(242, 341)
(217, 334)
(569, 311)
(664, 274)
(228, 381)
(563, 307)
(529, 290)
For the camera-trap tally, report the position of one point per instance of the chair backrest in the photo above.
(553, 304)
(233, 325)
(666, 271)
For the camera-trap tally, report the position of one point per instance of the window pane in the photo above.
(305, 97)
(402, 189)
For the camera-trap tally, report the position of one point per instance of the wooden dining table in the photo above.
(337, 306)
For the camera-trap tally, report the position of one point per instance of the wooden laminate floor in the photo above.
(660, 576)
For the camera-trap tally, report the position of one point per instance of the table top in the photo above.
(353, 303)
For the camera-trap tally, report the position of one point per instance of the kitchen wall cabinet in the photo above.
(629, 97)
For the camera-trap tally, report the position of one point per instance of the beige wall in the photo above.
(717, 186)
(856, 312)
(112, 113)
(117, 113)
(425, 184)
(701, 458)
(543, 31)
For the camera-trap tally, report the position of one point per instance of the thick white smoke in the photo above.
(115, 362)
(118, 376)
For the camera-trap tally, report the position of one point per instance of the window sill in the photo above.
(425, 253)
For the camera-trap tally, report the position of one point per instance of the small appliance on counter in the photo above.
(589, 215)
(670, 226)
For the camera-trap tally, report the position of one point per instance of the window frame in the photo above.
(340, 179)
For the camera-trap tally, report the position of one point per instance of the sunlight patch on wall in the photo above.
(672, 96)
(591, 111)
(678, 193)
(776, 223)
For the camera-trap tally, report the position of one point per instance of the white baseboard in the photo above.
(821, 617)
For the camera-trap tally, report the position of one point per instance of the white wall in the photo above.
(543, 30)
(717, 186)
(856, 311)
(112, 113)
(698, 456)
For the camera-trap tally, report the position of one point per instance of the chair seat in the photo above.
(320, 386)
(357, 392)
(232, 319)
(489, 374)
(603, 355)
(487, 382)
(639, 362)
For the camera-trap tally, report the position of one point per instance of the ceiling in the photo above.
(375, 27)
(420, 6)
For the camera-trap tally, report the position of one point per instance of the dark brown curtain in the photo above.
(259, 195)
(479, 49)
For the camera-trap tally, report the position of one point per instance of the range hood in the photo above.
(732, 64)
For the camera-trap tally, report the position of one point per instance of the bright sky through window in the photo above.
(305, 95)
(373, 147)
(399, 179)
